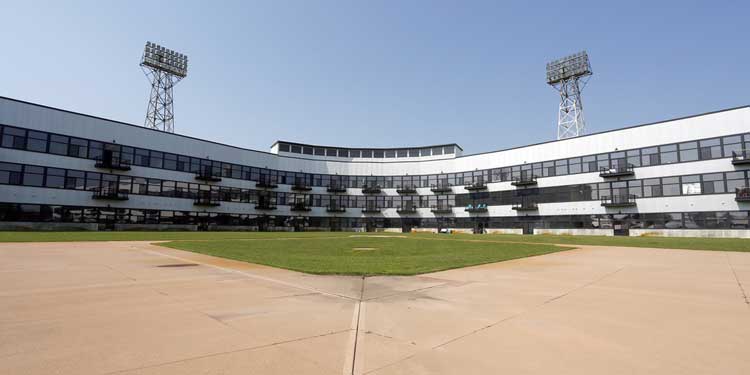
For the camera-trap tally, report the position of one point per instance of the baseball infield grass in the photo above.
(365, 255)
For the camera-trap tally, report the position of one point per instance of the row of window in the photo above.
(37, 176)
(73, 214)
(367, 153)
(705, 149)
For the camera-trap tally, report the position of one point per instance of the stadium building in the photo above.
(65, 170)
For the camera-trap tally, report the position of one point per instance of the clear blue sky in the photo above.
(380, 73)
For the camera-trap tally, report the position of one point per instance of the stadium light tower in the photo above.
(164, 68)
(569, 76)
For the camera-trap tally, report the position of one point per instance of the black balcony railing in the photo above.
(300, 207)
(208, 174)
(207, 199)
(266, 183)
(617, 171)
(371, 209)
(335, 188)
(112, 162)
(411, 189)
(109, 193)
(371, 189)
(442, 209)
(477, 208)
(742, 194)
(408, 209)
(335, 208)
(741, 157)
(301, 185)
(525, 206)
(265, 206)
(623, 200)
(524, 180)
(478, 185)
(441, 188)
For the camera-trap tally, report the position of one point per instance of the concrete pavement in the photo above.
(136, 308)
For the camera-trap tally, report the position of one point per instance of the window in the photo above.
(36, 141)
(650, 156)
(652, 188)
(319, 151)
(437, 151)
(402, 153)
(141, 157)
(33, 176)
(343, 153)
(691, 185)
(449, 149)
(55, 178)
(296, 149)
(413, 153)
(668, 154)
(75, 180)
(283, 147)
(366, 153)
(331, 152)
(713, 183)
(670, 186)
(689, 151)
(307, 150)
(378, 153)
(58, 144)
(10, 174)
(390, 153)
(14, 138)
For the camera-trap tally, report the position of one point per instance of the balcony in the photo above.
(209, 200)
(525, 206)
(371, 210)
(619, 201)
(336, 189)
(616, 171)
(109, 193)
(742, 194)
(407, 210)
(266, 183)
(372, 189)
(335, 208)
(301, 187)
(406, 190)
(300, 207)
(265, 206)
(208, 175)
(479, 208)
(741, 157)
(524, 180)
(112, 163)
(476, 186)
(443, 188)
(441, 209)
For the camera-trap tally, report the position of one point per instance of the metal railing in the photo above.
(617, 170)
(741, 157)
(620, 200)
(113, 162)
(109, 192)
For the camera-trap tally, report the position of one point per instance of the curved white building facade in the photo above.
(686, 176)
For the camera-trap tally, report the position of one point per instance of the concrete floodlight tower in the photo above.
(164, 68)
(569, 76)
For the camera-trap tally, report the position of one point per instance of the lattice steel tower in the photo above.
(164, 68)
(569, 76)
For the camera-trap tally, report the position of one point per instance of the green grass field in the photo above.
(720, 244)
(366, 255)
(350, 253)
